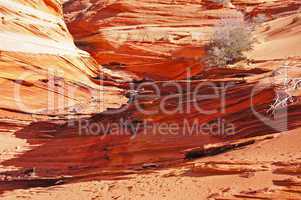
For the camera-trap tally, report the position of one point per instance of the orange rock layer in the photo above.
(39, 61)
(156, 41)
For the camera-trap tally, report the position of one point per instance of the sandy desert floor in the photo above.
(268, 169)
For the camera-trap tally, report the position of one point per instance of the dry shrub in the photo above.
(230, 39)
(224, 2)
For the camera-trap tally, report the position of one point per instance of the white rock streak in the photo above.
(33, 43)
(17, 42)
(29, 10)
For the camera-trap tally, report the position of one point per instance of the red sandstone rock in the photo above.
(157, 41)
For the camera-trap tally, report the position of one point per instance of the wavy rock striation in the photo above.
(157, 41)
(152, 38)
(41, 70)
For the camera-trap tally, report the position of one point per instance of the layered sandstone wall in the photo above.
(37, 48)
(162, 39)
